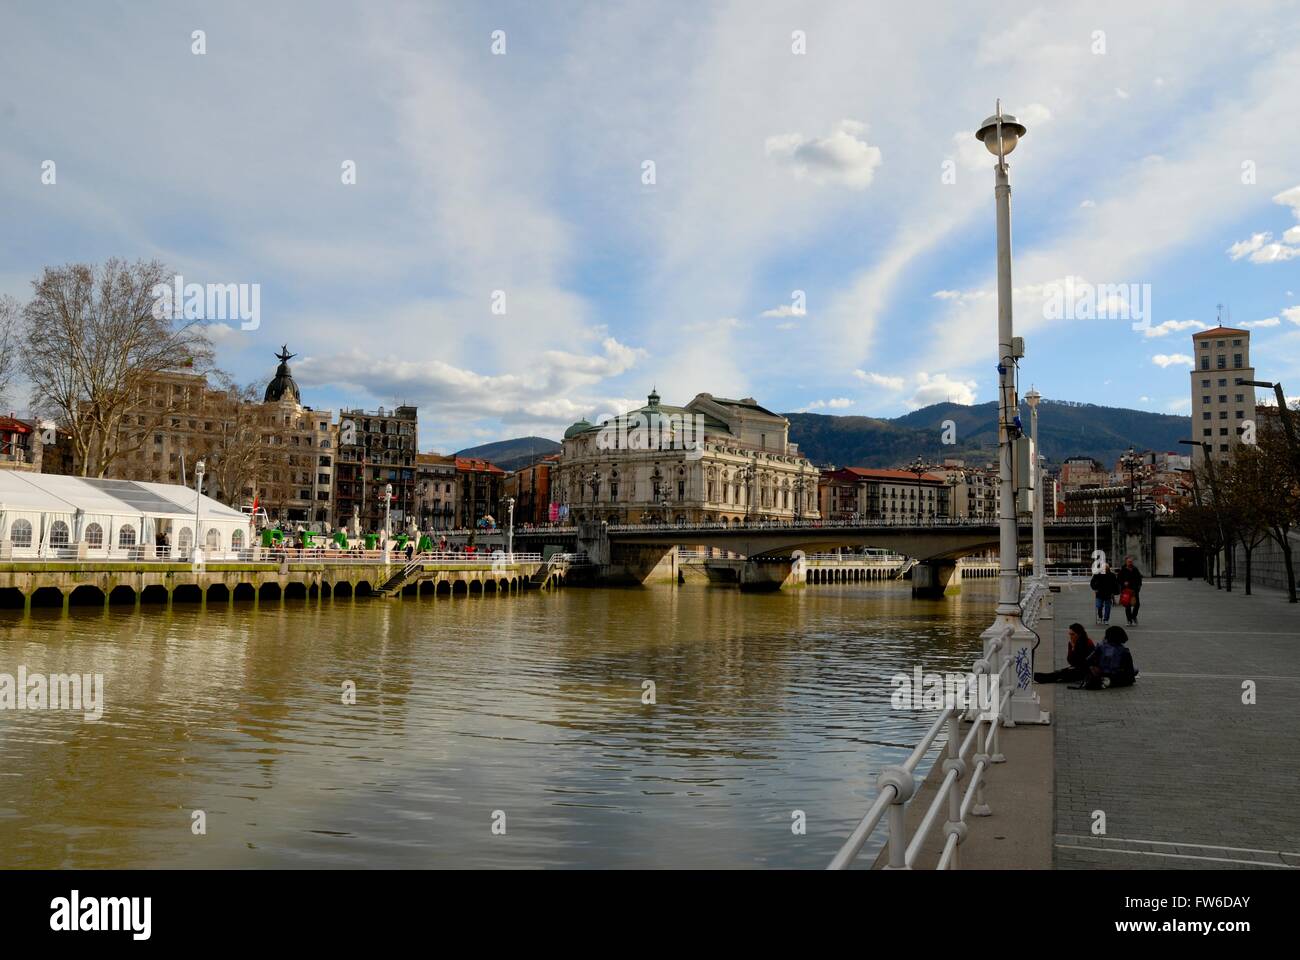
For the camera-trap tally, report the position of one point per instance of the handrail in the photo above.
(897, 784)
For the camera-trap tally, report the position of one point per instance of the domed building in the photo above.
(296, 483)
(713, 460)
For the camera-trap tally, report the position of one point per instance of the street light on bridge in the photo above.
(1000, 134)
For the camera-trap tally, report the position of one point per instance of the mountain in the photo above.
(512, 454)
(1065, 429)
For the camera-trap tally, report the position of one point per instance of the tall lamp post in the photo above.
(388, 513)
(917, 467)
(1000, 133)
(1130, 462)
(1285, 415)
(1208, 450)
(1032, 398)
(746, 475)
(510, 529)
(199, 469)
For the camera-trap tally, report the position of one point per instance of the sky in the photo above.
(556, 207)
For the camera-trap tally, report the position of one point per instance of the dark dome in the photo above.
(282, 386)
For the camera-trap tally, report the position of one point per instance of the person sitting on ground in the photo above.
(1080, 649)
(1104, 587)
(1111, 664)
(1130, 579)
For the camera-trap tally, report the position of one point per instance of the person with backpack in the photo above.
(1130, 590)
(1104, 586)
(1111, 664)
(1080, 649)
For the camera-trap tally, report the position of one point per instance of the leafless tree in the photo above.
(10, 330)
(93, 342)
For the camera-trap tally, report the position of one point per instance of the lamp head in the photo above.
(1012, 131)
(1032, 398)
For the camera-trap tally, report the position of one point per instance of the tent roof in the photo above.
(54, 493)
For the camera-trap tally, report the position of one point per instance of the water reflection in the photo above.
(530, 705)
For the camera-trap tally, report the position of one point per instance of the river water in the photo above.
(521, 714)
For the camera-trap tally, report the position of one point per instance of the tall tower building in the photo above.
(1220, 399)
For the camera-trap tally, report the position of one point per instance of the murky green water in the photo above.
(529, 705)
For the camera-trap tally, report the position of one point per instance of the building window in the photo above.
(1207, 432)
(94, 536)
(126, 535)
(1236, 360)
(59, 534)
(1205, 363)
(237, 540)
(1239, 397)
(1241, 415)
(1221, 362)
(1205, 399)
(1236, 343)
(21, 533)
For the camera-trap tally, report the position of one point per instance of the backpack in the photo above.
(1111, 659)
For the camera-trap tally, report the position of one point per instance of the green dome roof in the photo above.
(580, 427)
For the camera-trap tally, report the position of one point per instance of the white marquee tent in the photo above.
(46, 515)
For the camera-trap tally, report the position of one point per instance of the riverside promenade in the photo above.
(1187, 775)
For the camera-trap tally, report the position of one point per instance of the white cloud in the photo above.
(1292, 314)
(1244, 248)
(1174, 326)
(1088, 204)
(939, 387)
(879, 380)
(784, 310)
(836, 403)
(1123, 95)
(841, 158)
(1172, 359)
(1266, 322)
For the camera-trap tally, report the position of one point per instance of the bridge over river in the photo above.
(642, 553)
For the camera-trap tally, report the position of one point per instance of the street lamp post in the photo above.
(1000, 133)
(1285, 415)
(746, 475)
(388, 513)
(1208, 450)
(1032, 398)
(510, 529)
(199, 470)
(1130, 462)
(917, 467)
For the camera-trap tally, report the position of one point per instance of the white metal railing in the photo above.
(326, 555)
(972, 754)
(834, 524)
(853, 559)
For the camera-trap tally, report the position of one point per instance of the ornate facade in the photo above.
(713, 460)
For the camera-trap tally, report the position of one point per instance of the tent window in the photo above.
(185, 539)
(237, 540)
(126, 536)
(213, 539)
(21, 534)
(94, 536)
(59, 534)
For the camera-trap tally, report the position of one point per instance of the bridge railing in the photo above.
(989, 686)
(900, 523)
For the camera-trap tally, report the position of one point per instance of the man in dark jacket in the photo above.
(1104, 587)
(1130, 578)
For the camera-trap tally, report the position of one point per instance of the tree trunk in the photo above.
(1249, 551)
(1290, 571)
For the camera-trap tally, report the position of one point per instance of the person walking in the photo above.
(1130, 590)
(1104, 587)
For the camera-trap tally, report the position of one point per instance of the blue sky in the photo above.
(1162, 150)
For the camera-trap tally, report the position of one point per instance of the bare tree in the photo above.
(94, 341)
(1246, 486)
(235, 450)
(10, 325)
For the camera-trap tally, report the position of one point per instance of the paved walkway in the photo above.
(1187, 775)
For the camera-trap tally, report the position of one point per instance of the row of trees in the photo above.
(90, 345)
(1255, 498)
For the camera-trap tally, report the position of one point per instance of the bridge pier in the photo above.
(762, 574)
(936, 579)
